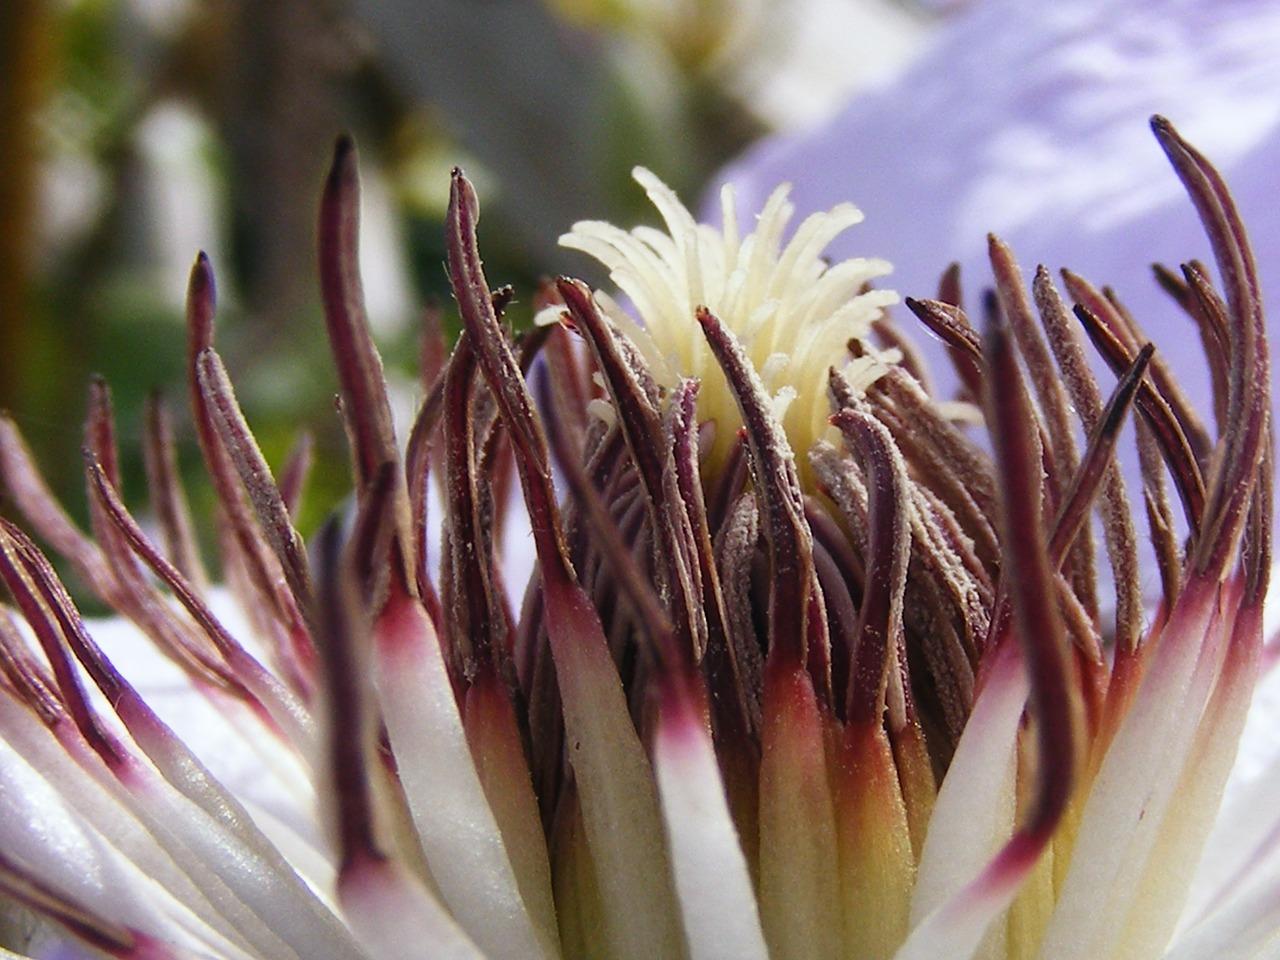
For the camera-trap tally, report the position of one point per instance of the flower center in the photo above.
(794, 313)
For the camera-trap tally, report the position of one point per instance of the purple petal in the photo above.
(1031, 123)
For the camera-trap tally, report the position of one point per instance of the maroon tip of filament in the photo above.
(201, 302)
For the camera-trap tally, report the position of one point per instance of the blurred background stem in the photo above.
(26, 54)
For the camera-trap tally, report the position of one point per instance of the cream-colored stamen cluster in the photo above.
(794, 313)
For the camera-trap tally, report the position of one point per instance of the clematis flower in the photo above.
(785, 684)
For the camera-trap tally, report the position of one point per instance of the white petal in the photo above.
(1134, 789)
(464, 847)
(717, 901)
(395, 918)
(65, 852)
(973, 817)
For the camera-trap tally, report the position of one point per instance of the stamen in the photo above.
(364, 398)
(296, 470)
(1098, 457)
(795, 634)
(888, 547)
(950, 324)
(684, 430)
(1195, 294)
(366, 408)
(28, 678)
(1165, 538)
(1026, 570)
(473, 614)
(943, 458)
(33, 586)
(1117, 519)
(243, 544)
(37, 504)
(132, 594)
(421, 454)
(1246, 443)
(167, 496)
(18, 886)
(244, 676)
(349, 736)
(614, 781)
(254, 473)
(1061, 454)
(1174, 444)
(642, 429)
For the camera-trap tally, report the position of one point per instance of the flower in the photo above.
(743, 711)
